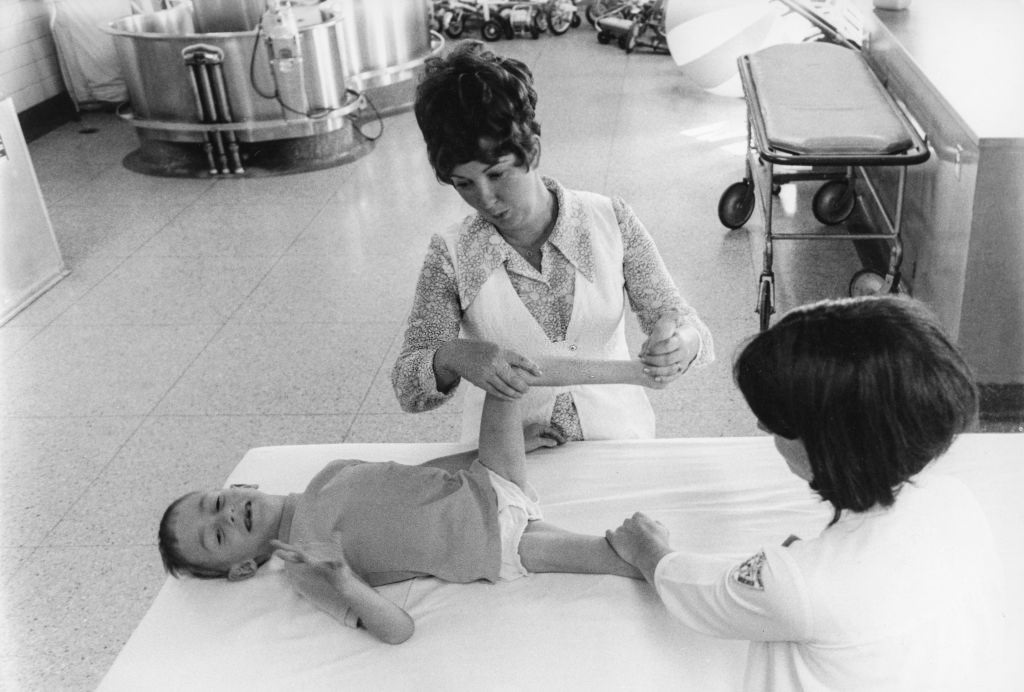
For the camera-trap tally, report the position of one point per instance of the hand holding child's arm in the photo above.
(642, 542)
(323, 565)
(670, 349)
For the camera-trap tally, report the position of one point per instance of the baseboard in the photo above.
(1002, 402)
(47, 116)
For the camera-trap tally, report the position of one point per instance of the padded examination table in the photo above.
(543, 632)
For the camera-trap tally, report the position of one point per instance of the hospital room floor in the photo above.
(203, 317)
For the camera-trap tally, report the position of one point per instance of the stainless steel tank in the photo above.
(227, 73)
(385, 41)
(153, 48)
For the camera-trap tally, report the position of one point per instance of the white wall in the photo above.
(29, 71)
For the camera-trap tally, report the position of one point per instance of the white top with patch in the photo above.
(905, 598)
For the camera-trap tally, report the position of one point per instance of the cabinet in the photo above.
(959, 68)
(30, 260)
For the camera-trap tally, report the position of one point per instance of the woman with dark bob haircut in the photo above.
(902, 590)
(872, 388)
(537, 271)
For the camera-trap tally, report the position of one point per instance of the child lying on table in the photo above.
(460, 518)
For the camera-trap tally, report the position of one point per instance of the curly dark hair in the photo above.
(872, 387)
(473, 105)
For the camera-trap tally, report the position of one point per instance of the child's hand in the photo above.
(537, 435)
(318, 556)
(640, 541)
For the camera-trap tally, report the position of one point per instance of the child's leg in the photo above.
(547, 548)
(502, 448)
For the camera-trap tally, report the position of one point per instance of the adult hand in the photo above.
(642, 542)
(490, 367)
(669, 350)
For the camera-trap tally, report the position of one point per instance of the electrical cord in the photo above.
(376, 114)
(316, 114)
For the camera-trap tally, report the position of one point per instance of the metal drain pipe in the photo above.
(206, 72)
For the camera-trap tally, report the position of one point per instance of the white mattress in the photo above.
(544, 632)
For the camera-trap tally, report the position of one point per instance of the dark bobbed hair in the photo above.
(871, 386)
(473, 105)
(175, 564)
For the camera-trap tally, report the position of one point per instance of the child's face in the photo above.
(226, 527)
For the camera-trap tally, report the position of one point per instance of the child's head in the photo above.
(221, 533)
(871, 387)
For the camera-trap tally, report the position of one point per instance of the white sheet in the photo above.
(544, 632)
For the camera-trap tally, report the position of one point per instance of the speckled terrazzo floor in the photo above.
(204, 317)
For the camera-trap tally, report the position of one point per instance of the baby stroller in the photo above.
(630, 23)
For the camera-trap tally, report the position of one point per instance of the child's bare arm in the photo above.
(325, 578)
(563, 372)
(502, 447)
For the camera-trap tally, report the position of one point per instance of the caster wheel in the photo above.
(575, 21)
(631, 38)
(456, 25)
(603, 37)
(491, 30)
(764, 304)
(833, 202)
(868, 282)
(736, 205)
(558, 22)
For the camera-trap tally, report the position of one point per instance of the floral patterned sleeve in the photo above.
(649, 285)
(434, 319)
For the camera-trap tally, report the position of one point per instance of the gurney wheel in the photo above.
(867, 282)
(736, 204)
(491, 30)
(603, 37)
(833, 202)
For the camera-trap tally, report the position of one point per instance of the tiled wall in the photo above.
(29, 71)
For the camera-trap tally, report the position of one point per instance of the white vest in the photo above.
(596, 330)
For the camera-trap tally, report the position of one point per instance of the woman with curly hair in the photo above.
(537, 271)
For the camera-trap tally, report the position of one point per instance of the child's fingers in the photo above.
(289, 556)
(553, 434)
(519, 361)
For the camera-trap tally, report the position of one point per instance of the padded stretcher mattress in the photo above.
(545, 631)
(820, 98)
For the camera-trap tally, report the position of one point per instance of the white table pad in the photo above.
(547, 631)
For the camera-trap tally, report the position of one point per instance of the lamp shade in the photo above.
(705, 39)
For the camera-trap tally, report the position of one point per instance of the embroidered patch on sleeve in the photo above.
(749, 573)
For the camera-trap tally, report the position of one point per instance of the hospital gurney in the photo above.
(563, 632)
(818, 105)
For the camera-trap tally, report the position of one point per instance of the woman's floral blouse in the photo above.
(548, 295)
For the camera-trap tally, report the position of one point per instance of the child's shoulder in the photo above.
(329, 471)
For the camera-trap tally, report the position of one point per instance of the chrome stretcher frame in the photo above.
(834, 201)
